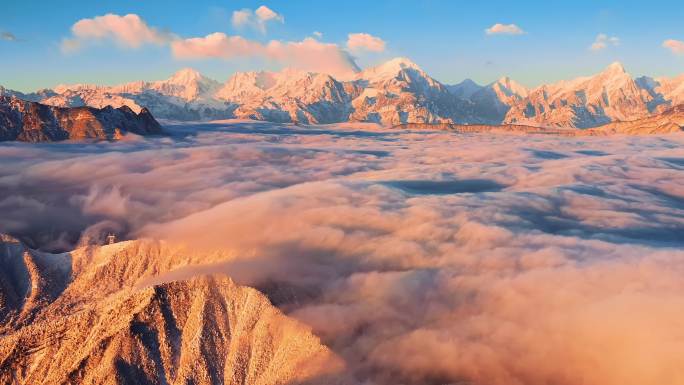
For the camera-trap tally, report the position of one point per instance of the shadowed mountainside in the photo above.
(669, 121)
(35, 122)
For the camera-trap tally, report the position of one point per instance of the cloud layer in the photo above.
(504, 29)
(510, 260)
(359, 42)
(308, 54)
(603, 41)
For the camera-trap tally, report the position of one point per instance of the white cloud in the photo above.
(129, 31)
(256, 19)
(504, 29)
(308, 54)
(317, 34)
(358, 42)
(265, 13)
(676, 46)
(603, 41)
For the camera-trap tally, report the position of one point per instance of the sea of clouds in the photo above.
(418, 257)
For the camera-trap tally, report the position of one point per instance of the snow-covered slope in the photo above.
(583, 102)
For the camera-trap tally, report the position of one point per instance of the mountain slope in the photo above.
(34, 122)
(102, 328)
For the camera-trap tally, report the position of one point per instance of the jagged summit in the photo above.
(185, 76)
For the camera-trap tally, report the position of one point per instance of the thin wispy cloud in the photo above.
(128, 31)
(504, 29)
(256, 19)
(7, 36)
(360, 42)
(604, 41)
(675, 46)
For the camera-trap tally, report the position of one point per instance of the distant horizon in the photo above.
(114, 43)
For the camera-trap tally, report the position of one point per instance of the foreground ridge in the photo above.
(35, 122)
(78, 318)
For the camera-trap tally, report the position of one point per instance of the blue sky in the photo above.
(446, 38)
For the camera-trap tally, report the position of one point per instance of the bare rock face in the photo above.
(80, 318)
(35, 122)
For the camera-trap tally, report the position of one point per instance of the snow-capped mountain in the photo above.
(611, 95)
(285, 96)
(395, 92)
(398, 91)
(490, 103)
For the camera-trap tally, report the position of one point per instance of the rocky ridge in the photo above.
(35, 122)
(84, 317)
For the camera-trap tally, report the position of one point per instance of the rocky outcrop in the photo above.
(27, 121)
(93, 322)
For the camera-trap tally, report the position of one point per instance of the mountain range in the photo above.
(395, 92)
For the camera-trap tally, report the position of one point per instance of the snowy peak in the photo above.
(187, 77)
(615, 68)
(187, 84)
(389, 70)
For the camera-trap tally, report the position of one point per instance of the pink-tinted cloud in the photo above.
(128, 31)
(603, 41)
(675, 46)
(308, 54)
(358, 42)
(257, 19)
(504, 29)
